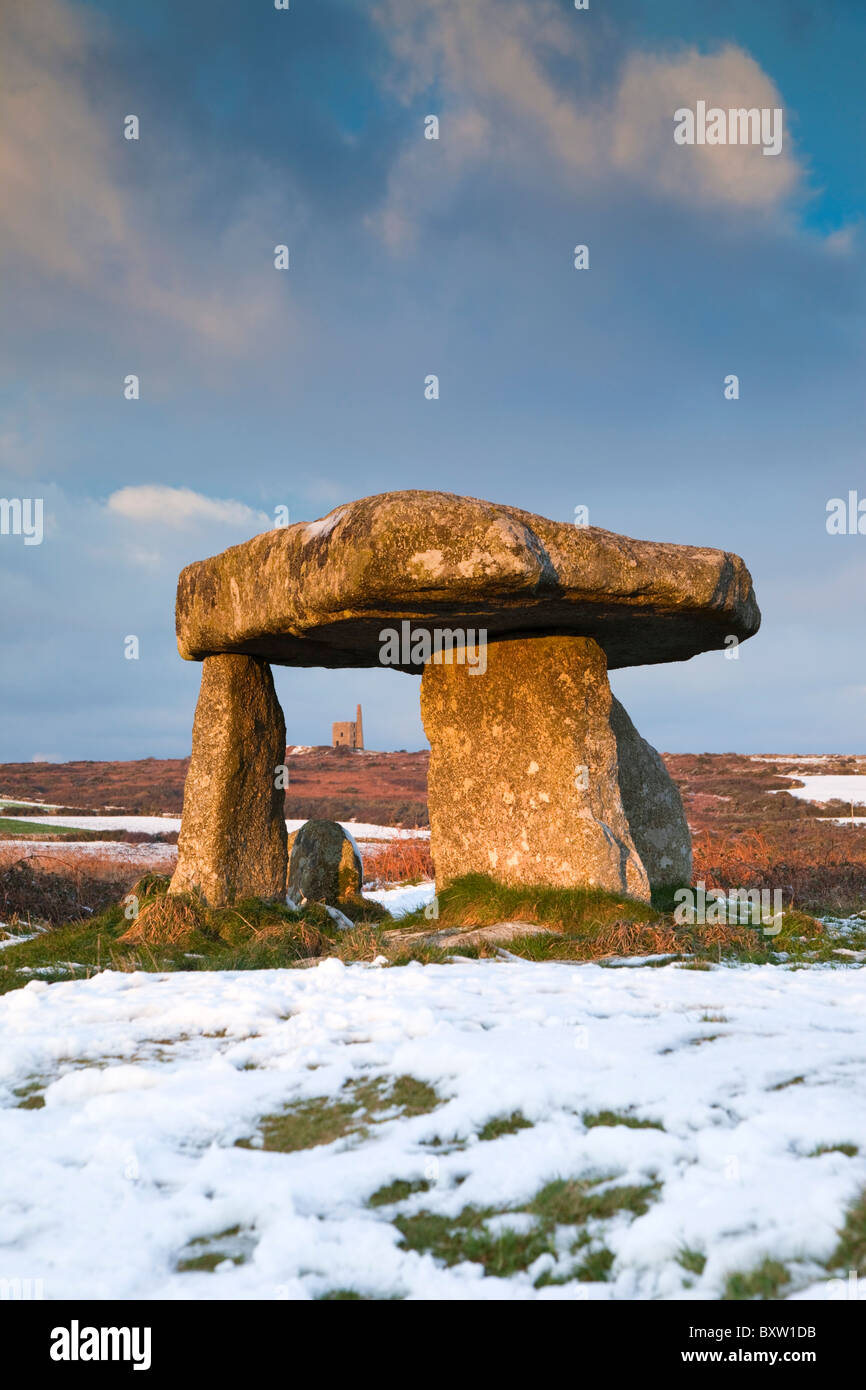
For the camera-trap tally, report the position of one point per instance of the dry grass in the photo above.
(167, 921)
(589, 924)
(620, 939)
(819, 867)
(183, 921)
(399, 861)
(31, 894)
(115, 866)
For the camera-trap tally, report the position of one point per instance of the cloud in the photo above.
(59, 205)
(841, 242)
(501, 106)
(72, 214)
(181, 508)
(652, 88)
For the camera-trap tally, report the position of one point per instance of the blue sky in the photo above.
(304, 388)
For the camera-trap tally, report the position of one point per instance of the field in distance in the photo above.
(326, 783)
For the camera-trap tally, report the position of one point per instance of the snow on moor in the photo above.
(149, 1081)
(849, 786)
(160, 825)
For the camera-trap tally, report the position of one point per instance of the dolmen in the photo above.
(537, 774)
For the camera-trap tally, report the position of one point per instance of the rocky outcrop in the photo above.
(325, 864)
(321, 593)
(232, 843)
(523, 783)
(653, 806)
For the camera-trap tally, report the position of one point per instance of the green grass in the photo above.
(765, 1281)
(595, 1267)
(204, 1264)
(308, 1124)
(693, 1261)
(396, 1191)
(206, 1252)
(180, 932)
(610, 1118)
(504, 1124)
(353, 1296)
(590, 924)
(466, 1237)
(32, 1097)
(849, 1150)
(509, 1250)
(571, 1202)
(38, 831)
(479, 901)
(850, 1253)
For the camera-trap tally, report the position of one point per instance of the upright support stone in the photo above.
(523, 781)
(232, 842)
(653, 805)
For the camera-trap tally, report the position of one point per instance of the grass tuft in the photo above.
(180, 932)
(765, 1281)
(504, 1124)
(612, 1118)
(850, 1253)
(396, 1191)
(308, 1124)
(590, 924)
(505, 1251)
(572, 1202)
(693, 1261)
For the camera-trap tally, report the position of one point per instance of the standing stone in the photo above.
(232, 842)
(523, 779)
(325, 865)
(653, 805)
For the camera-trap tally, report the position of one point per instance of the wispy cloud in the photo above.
(70, 210)
(502, 106)
(181, 508)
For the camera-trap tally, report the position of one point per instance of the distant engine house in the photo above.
(348, 733)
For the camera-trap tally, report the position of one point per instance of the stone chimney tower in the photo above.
(359, 730)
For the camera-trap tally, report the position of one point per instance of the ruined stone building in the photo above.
(348, 733)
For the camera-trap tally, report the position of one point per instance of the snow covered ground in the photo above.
(149, 1080)
(403, 899)
(792, 757)
(9, 803)
(150, 853)
(844, 787)
(161, 825)
(148, 825)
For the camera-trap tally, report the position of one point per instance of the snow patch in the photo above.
(324, 526)
(149, 1081)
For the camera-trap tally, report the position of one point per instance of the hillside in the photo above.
(332, 783)
(720, 790)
